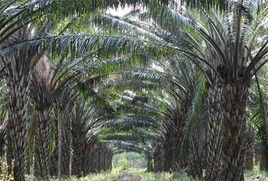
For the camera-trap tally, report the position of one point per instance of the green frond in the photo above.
(195, 112)
(130, 122)
(101, 44)
(129, 146)
(70, 7)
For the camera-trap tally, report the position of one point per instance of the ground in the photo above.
(136, 175)
(141, 175)
(129, 177)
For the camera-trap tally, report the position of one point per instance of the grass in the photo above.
(116, 173)
(112, 176)
(254, 175)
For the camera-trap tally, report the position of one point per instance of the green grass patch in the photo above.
(116, 173)
(254, 175)
(145, 176)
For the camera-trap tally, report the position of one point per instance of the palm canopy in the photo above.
(224, 45)
(211, 42)
(168, 34)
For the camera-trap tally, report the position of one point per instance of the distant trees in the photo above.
(166, 81)
(223, 47)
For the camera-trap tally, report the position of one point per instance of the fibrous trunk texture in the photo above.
(103, 153)
(100, 158)
(226, 131)
(158, 158)
(79, 152)
(3, 128)
(264, 149)
(196, 158)
(60, 159)
(41, 96)
(249, 146)
(91, 157)
(54, 157)
(149, 157)
(66, 145)
(264, 156)
(9, 153)
(42, 144)
(172, 144)
(17, 124)
(175, 134)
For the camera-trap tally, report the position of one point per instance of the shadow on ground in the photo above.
(128, 177)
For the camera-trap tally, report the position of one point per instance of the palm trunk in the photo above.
(66, 146)
(197, 152)
(175, 136)
(250, 143)
(3, 129)
(105, 157)
(264, 149)
(234, 131)
(59, 146)
(149, 158)
(90, 162)
(214, 133)
(53, 161)
(9, 152)
(172, 149)
(264, 157)
(195, 162)
(42, 144)
(78, 159)
(172, 146)
(79, 145)
(226, 127)
(54, 152)
(158, 159)
(17, 126)
(96, 158)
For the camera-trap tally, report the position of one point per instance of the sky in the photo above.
(119, 11)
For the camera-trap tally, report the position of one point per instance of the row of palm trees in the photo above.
(68, 90)
(24, 23)
(228, 47)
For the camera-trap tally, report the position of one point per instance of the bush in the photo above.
(4, 175)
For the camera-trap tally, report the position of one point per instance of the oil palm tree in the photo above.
(91, 111)
(17, 69)
(135, 112)
(41, 95)
(86, 124)
(80, 127)
(123, 41)
(47, 87)
(16, 15)
(223, 47)
(258, 114)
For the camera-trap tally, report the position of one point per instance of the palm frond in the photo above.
(195, 113)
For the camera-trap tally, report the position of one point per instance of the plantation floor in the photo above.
(135, 176)
(141, 175)
(129, 175)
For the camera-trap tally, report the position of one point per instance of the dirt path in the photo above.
(259, 178)
(128, 177)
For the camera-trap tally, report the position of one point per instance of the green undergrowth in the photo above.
(254, 175)
(145, 176)
(115, 174)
